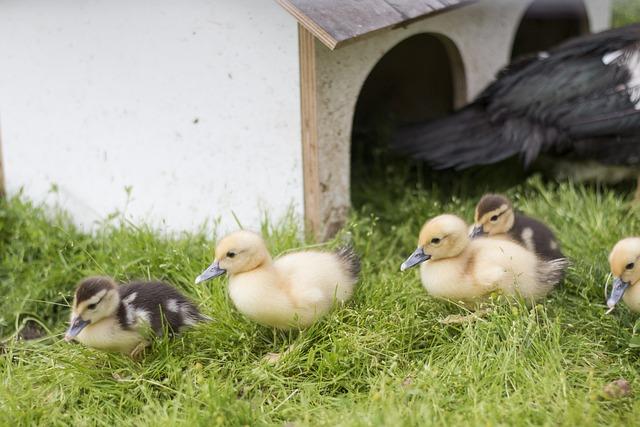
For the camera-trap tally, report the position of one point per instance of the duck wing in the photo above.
(583, 92)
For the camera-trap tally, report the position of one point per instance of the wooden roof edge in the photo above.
(310, 25)
(333, 44)
(402, 24)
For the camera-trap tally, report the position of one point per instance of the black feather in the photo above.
(562, 103)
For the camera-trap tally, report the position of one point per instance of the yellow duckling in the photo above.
(458, 268)
(626, 270)
(295, 290)
(119, 318)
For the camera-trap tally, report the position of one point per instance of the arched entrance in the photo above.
(420, 78)
(547, 23)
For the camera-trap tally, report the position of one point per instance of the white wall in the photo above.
(97, 95)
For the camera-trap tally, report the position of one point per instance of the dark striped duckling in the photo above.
(122, 318)
(496, 217)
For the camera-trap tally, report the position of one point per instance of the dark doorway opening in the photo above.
(420, 78)
(547, 23)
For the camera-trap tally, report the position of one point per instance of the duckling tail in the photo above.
(205, 318)
(551, 272)
(191, 315)
(351, 259)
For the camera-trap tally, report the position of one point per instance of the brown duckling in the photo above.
(496, 217)
(121, 318)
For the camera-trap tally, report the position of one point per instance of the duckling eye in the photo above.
(92, 306)
(231, 254)
(629, 266)
(494, 218)
(435, 240)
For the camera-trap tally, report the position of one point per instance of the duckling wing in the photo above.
(507, 266)
(536, 236)
(489, 278)
(316, 278)
(154, 306)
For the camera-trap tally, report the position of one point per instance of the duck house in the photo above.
(174, 113)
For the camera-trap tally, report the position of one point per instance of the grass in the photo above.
(625, 12)
(382, 360)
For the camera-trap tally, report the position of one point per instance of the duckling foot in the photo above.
(273, 358)
(138, 351)
(454, 319)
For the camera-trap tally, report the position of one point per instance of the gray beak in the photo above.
(414, 259)
(476, 232)
(616, 293)
(212, 271)
(77, 325)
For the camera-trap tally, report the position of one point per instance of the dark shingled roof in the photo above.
(334, 22)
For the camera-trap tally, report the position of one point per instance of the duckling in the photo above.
(458, 268)
(625, 267)
(495, 216)
(117, 318)
(293, 291)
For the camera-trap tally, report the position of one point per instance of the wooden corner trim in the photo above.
(309, 127)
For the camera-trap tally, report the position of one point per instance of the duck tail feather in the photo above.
(192, 315)
(551, 272)
(464, 139)
(205, 318)
(351, 259)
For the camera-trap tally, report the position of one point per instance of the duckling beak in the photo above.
(77, 325)
(212, 271)
(616, 293)
(477, 231)
(414, 259)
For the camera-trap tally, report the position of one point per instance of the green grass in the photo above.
(625, 12)
(382, 360)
